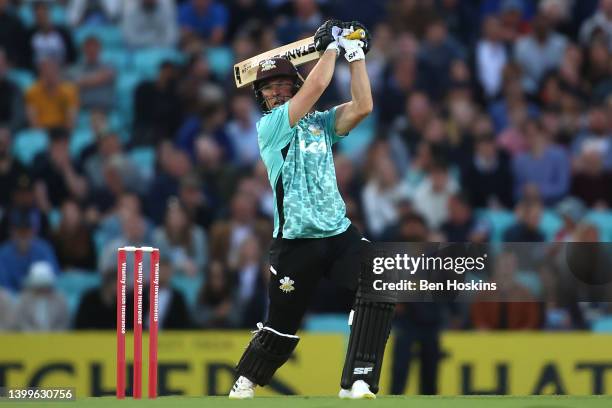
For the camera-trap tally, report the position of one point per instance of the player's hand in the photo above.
(367, 39)
(324, 35)
(353, 49)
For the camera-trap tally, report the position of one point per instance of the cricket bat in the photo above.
(299, 52)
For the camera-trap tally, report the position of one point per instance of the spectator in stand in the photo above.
(206, 19)
(514, 107)
(97, 308)
(492, 54)
(539, 52)
(381, 195)
(149, 23)
(251, 283)
(197, 74)
(591, 181)
(40, 307)
(487, 178)
(226, 236)
(241, 130)
(432, 194)
(434, 60)
(197, 201)
(527, 228)
(173, 311)
(13, 36)
(514, 16)
(571, 210)
(216, 304)
(220, 179)
(96, 12)
(12, 108)
(56, 177)
(10, 169)
(51, 101)
(407, 130)
(7, 315)
(462, 225)
(597, 137)
(95, 79)
(305, 18)
(23, 198)
(157, 107)
(412, 16)
(184, 243)
(599, 24)
(398, 85)
(246, 13)
(48, 41)
(544, 166)
(23, 249)
(173, 165)
(73, 239)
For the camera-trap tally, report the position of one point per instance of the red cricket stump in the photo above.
(121, 306)
(138, 279)
(153, 321)
(138, 318)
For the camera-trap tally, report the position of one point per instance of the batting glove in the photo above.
(353, 49)
(324, 34)
(367, 39)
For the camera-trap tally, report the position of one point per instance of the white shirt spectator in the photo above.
(79, 10)
(433, 205)
(599, 21)
(491, 57)
(536, 58)
(149, 26)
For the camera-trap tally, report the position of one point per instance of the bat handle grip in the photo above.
(358, 34)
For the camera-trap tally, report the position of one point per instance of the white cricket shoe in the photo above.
(243, 388)
(359, 390)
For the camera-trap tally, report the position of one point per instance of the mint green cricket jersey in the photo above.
(302, 174)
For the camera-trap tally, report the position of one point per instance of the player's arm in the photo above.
(314, 85)
(320, 76)
(348, 115)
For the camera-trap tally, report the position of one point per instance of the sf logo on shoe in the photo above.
(286, 284)
(362, 370)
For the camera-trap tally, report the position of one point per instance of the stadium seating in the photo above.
(28, 143)
(23, 78)
(26, 14)
(147, 61)
(603, 221)
(144, 159)
(73, 283)
(189, 286)
(221, 60)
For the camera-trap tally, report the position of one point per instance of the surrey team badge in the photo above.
(286, 285)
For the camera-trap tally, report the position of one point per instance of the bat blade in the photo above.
(299, 52)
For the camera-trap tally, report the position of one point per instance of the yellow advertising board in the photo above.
(201, 363)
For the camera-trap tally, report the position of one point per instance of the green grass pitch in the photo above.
(332, 402)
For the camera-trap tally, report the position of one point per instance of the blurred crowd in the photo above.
(120, 125)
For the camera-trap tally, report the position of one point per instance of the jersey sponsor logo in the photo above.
(314, 147)
(362, 370)
(315, 130)
(286, 284)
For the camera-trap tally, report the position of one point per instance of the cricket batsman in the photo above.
(313, 238)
